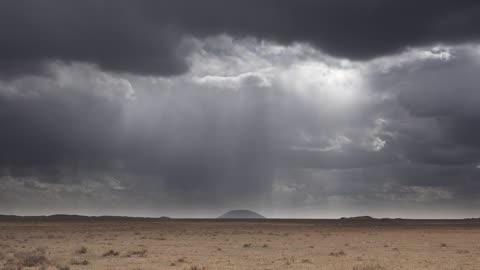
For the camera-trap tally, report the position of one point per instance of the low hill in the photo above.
(358, 218)
(241, 214)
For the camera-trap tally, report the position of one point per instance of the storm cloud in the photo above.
(304, 109)
(151, 37)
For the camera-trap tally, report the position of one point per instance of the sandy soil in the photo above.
(236, 245)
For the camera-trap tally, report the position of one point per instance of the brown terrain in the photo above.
(72, 242)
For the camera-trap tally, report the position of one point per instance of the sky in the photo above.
(293, 109)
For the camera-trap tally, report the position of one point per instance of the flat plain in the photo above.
(134, 244)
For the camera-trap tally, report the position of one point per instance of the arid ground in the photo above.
(214, 244)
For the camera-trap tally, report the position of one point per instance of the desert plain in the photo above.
(144, 244)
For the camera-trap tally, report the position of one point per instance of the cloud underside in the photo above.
(322, 108)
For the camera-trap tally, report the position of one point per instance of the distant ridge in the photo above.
(359, 218)
(65, 217)
(241, 214)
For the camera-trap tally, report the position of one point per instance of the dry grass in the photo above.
(337, 253)
(111, 252)
(76, 261)
(32, 258)
(368, 267)
(137, 253)
(194, 267)
(207, 245)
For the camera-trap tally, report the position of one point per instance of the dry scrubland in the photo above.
(236, 245)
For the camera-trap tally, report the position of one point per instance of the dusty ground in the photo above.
(236, 245)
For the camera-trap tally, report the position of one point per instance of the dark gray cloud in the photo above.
(436, 108)
(148, 37)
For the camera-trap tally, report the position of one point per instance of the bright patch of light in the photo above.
(413, 55)
(334, 86)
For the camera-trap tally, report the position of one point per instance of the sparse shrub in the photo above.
(62, 267)
(368, 267)
(247, 245)
(337, 253)
(81, 250)
(265, 246)
(194, 267)
(138, 253)
(443, 245)
(78, 262)
(111, 252)
(289, 261)
(10, 266)
(31, 258)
